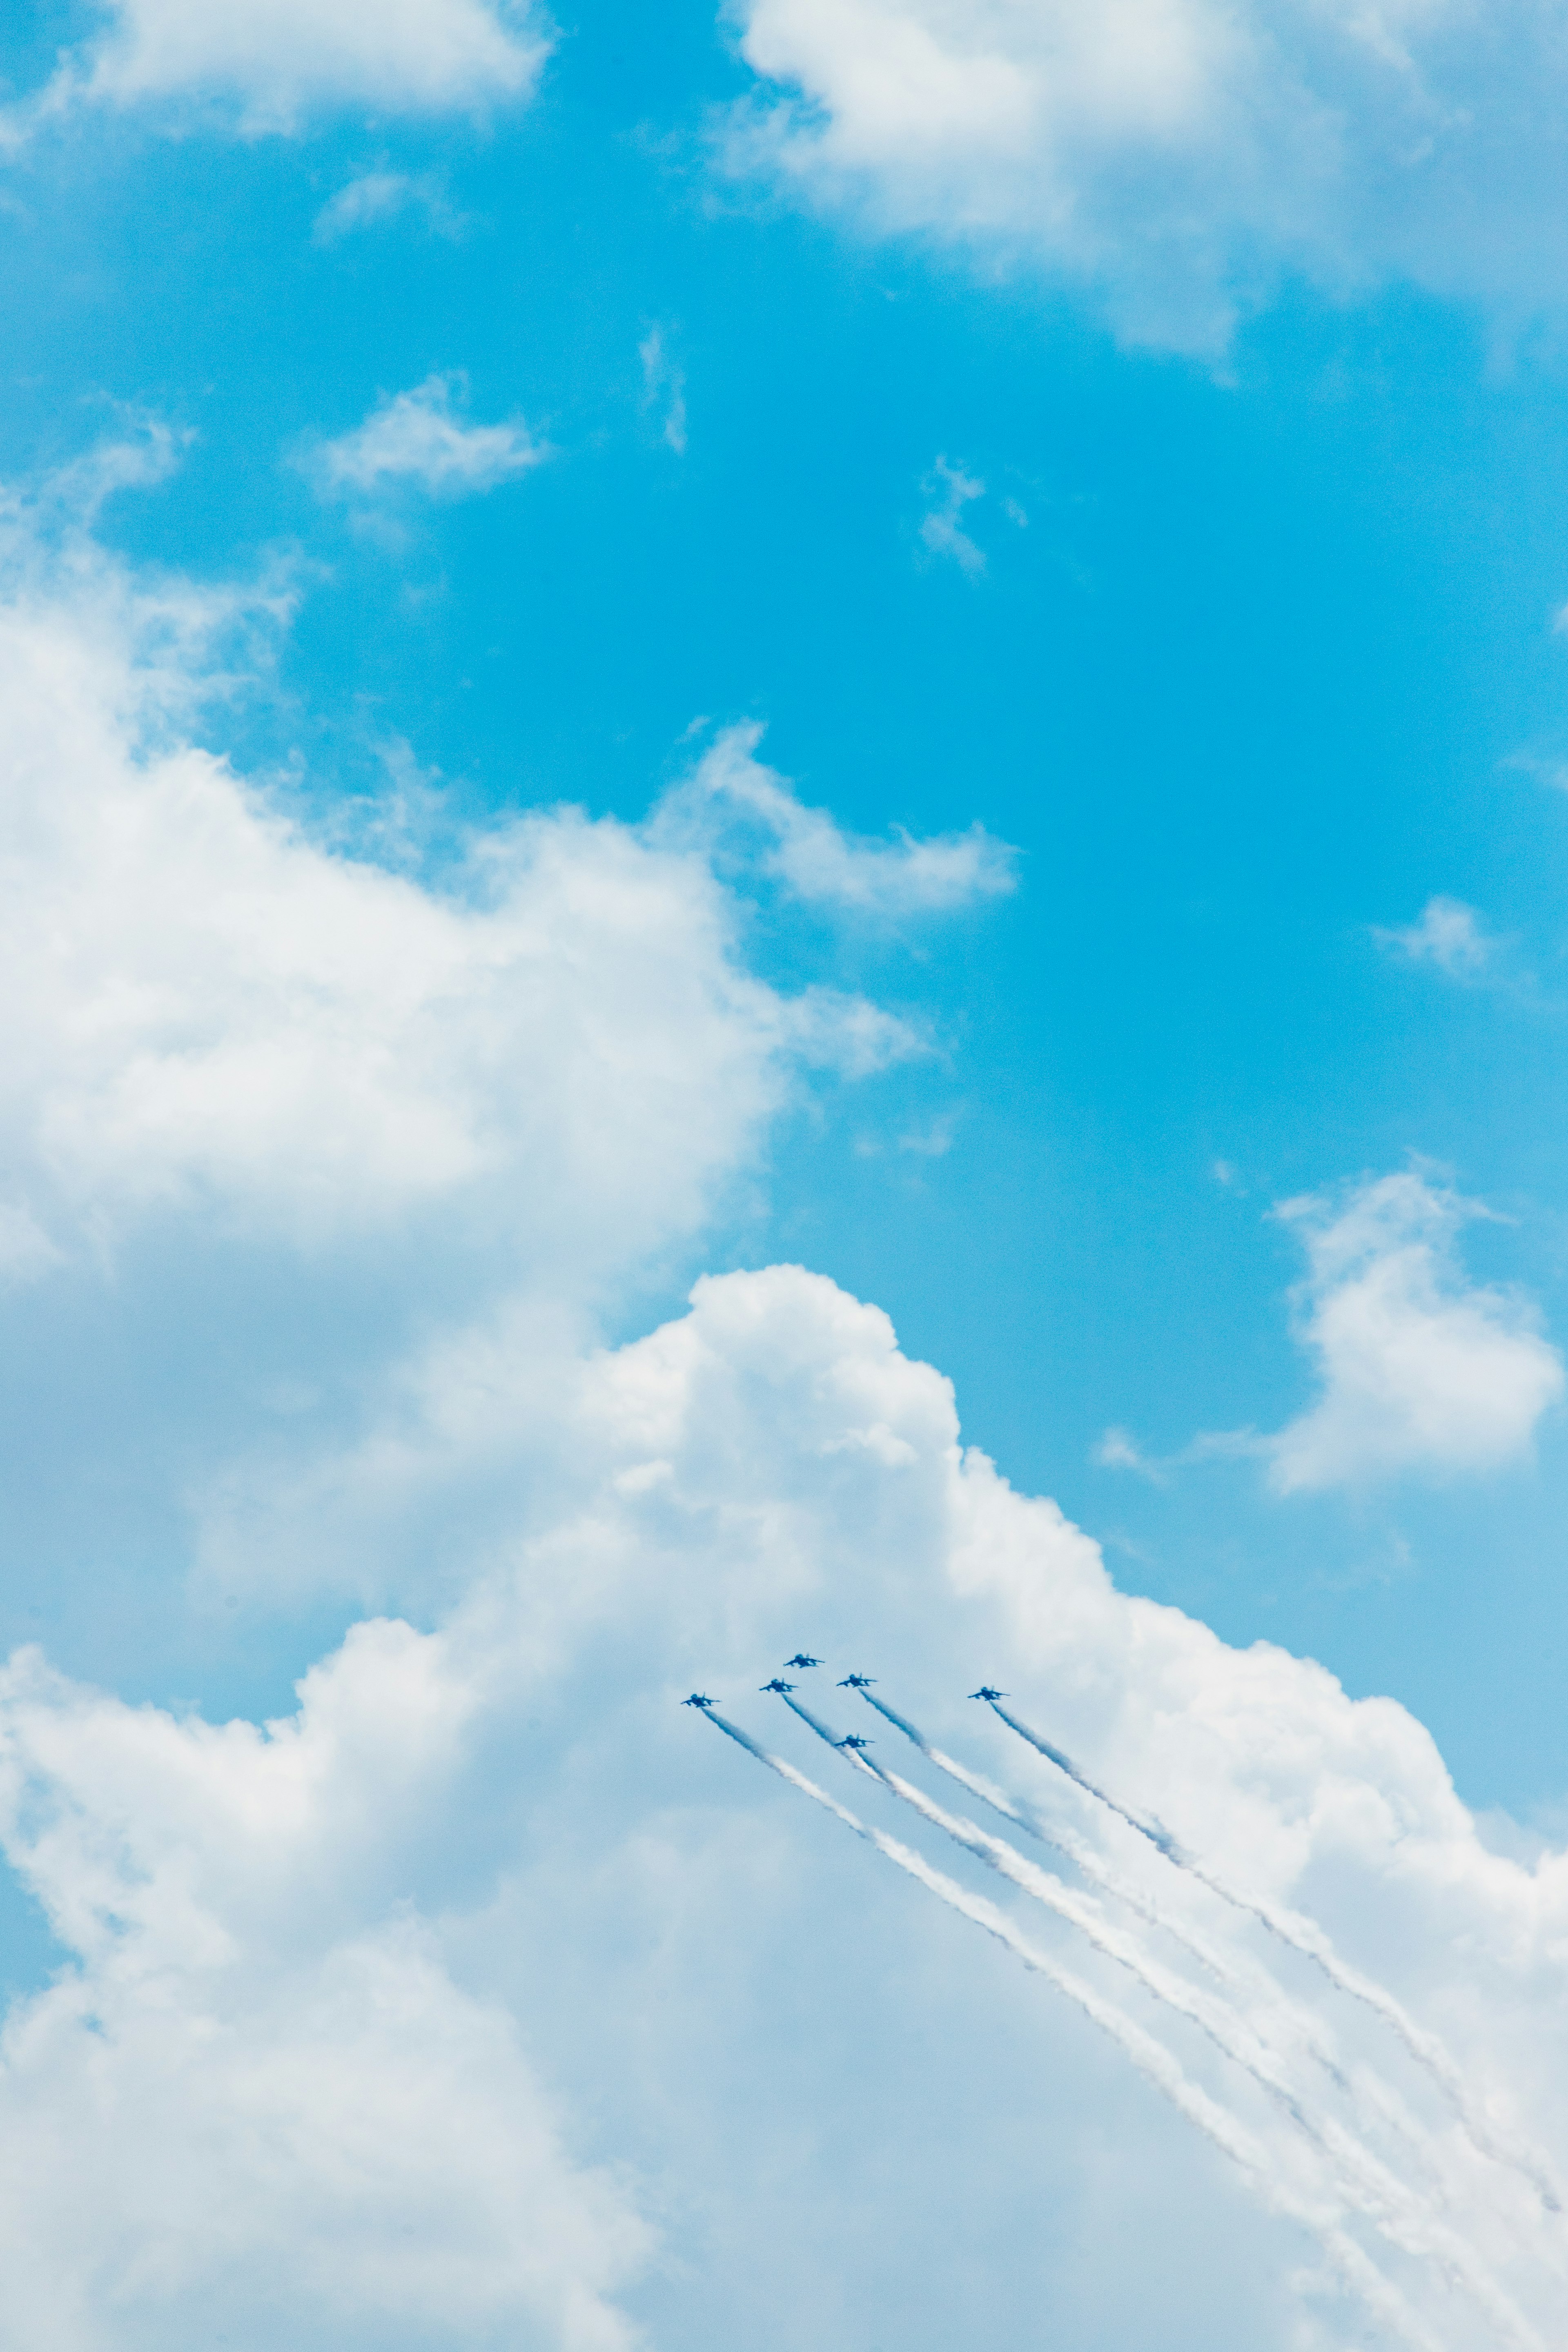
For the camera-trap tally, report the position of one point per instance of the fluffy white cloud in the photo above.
(1180, 156)
(816, 860)
(257, 2078)
(414, 439)
(277, 60)
(1420, 1369)
(283, 2045)
(1446, 935)
(208, 1009)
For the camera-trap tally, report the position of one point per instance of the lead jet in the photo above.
(800, 1659)
(985, 1691)
(856, 1682)
(783, 1688)
(852, 1739)
(697, 1698)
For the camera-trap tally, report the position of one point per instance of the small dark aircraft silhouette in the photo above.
(856, 1682)
(783, 1688)
(800, 1659)
(852, 1739)
(985, 1691)
(697, 1698)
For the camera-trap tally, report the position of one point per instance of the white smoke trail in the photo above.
(1393, 2208)
(1152, 2060)
(1305, 1935)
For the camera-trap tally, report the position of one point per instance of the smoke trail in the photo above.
(1154, 2060)
(1304, 1936)
(1385, 2200)
(1083, 1855)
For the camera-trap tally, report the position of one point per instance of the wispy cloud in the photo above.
(275, 60)
(376, 197)
(1419, 1369)
(816, 861)
(941, 528)
(664, 388)
(1448, 936)
(416, 440)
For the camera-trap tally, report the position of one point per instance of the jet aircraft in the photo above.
(783, 1688)
(852, 1739)
(800, 1659)
(985, 1691)
(856, 1682)
(697, 1698)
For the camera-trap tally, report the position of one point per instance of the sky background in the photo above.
(1164, 485)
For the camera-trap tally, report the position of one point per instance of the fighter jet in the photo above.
(697, 1698)
(783, 1688)
(852, 1739)
(800, 1659)
(985, 1691)
(856, 1682)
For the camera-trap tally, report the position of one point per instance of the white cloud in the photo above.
(413, 439)
(1420, 1369)
(271, 2072)
(941, 529)
(664, 387)
(258, 2077)
(276, 61)
(210, 1012)
(1179, 157)
(1448, 935)
(377, 196)
(820, 864)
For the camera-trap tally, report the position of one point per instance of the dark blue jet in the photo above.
(985, 1691)
(852, 1739)
(800, 1659)
(783, 1688)
(697, 1698)
(856, 1682)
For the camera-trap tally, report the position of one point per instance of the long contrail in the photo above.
(1152, 2060)
(1305, 1935)
(1393, 2208)
(1080, 1851)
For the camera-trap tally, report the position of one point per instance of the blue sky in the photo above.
(918, 644)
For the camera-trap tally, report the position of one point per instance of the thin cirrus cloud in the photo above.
(1448, 937)
(731, 796)
(275, 61)
(418, 440)
(664, 388)
(1178, 158)
(377, 197)
(941, 526)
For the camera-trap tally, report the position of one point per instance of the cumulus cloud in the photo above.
(257, 2075)
(211, 1011)
(414, 440)
(271, 2045)
(941, 528)
(820, 864)
(276, 61)
(1420, 1369)
(377, 196)
(1179, 157)
(1448, 936)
